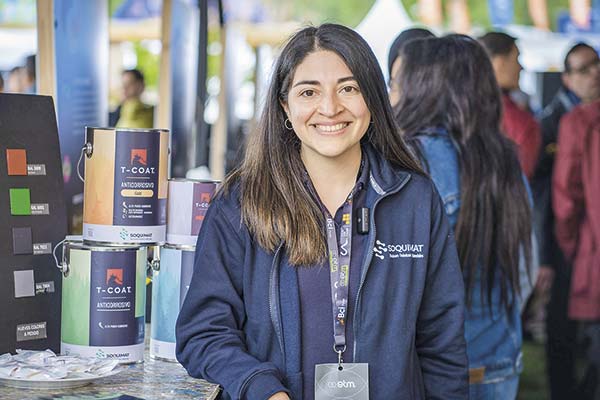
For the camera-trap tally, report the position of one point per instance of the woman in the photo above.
(326, 263)
(450, 111)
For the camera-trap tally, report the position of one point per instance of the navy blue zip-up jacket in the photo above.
(239, 325)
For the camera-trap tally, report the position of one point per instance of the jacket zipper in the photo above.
(273, 295)
(367, 262)
(273, 291)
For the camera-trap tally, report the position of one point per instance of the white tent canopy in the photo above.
(384, 21)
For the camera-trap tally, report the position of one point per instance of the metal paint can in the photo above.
(170, 284)
(103, 301)
(125, 186)
(187, 205)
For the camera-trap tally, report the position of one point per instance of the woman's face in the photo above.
(394, 82)
(326, 107)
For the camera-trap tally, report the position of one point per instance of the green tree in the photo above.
(148, 63)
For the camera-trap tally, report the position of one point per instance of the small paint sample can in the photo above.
(125, 186)
(170, 284)
(104, 301)
(187, 205)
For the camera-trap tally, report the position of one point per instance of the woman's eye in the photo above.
(349, 89)
(307, 93)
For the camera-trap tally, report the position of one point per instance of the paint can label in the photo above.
(188, 204)
(103, 303)
(136, 199)
(169, 288)
(203, 194)
(125, 191)
(112, 300)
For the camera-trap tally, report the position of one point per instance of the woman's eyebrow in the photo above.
(316, 83)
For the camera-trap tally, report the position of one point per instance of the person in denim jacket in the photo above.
(450, 112)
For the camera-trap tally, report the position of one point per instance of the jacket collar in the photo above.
(384, 177)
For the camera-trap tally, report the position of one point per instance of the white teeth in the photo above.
(332, 128)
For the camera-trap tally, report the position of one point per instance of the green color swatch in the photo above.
(20, 201)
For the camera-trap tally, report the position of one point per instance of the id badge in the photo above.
(351, 383)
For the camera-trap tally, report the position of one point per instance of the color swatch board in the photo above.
(32, 221)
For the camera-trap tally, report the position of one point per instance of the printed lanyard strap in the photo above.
(339, 267)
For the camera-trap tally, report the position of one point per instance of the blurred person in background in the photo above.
(518, 123)
(1, 83)
(132, 112)
(450, 112)
(580, 84)
(14, 83)
(394, 59)
(266, 315)
(576, 204)
(28, 75)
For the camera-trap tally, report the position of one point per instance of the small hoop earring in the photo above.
(371, 122)
(286, 122)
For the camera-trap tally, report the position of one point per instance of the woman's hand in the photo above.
(544, 279)
(280, 396)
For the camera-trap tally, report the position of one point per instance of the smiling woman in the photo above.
(288, 299)
(329, 115)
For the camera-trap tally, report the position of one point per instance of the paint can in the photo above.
(187, 205)
(170, 283)
(125, 185)
(103, 301)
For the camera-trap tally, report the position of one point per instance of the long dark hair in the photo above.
(449, 82)
(276, 205)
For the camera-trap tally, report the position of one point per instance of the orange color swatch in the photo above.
(16, 161)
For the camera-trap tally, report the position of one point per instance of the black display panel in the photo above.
(32, 221)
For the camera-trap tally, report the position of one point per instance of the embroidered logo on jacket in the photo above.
(405, 250)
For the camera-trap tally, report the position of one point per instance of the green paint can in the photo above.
(103, 301)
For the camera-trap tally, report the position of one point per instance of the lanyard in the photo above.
(339, 267)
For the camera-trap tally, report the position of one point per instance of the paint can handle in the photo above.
(88, 149)
(154, 261)
(64, 264)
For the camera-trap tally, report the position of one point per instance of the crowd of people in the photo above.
(393, 235)
(388, 245)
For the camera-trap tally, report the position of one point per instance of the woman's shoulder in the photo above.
(419, 185)
(227, 200)
(435, 139)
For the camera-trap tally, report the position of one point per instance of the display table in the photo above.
(150, 380)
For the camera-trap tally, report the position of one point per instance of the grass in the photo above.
(533, 384)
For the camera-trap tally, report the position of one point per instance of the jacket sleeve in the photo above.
(440, 341)
(529, 148)
(527, 277)
(567, 188)
(210, 340)
(547, 246)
